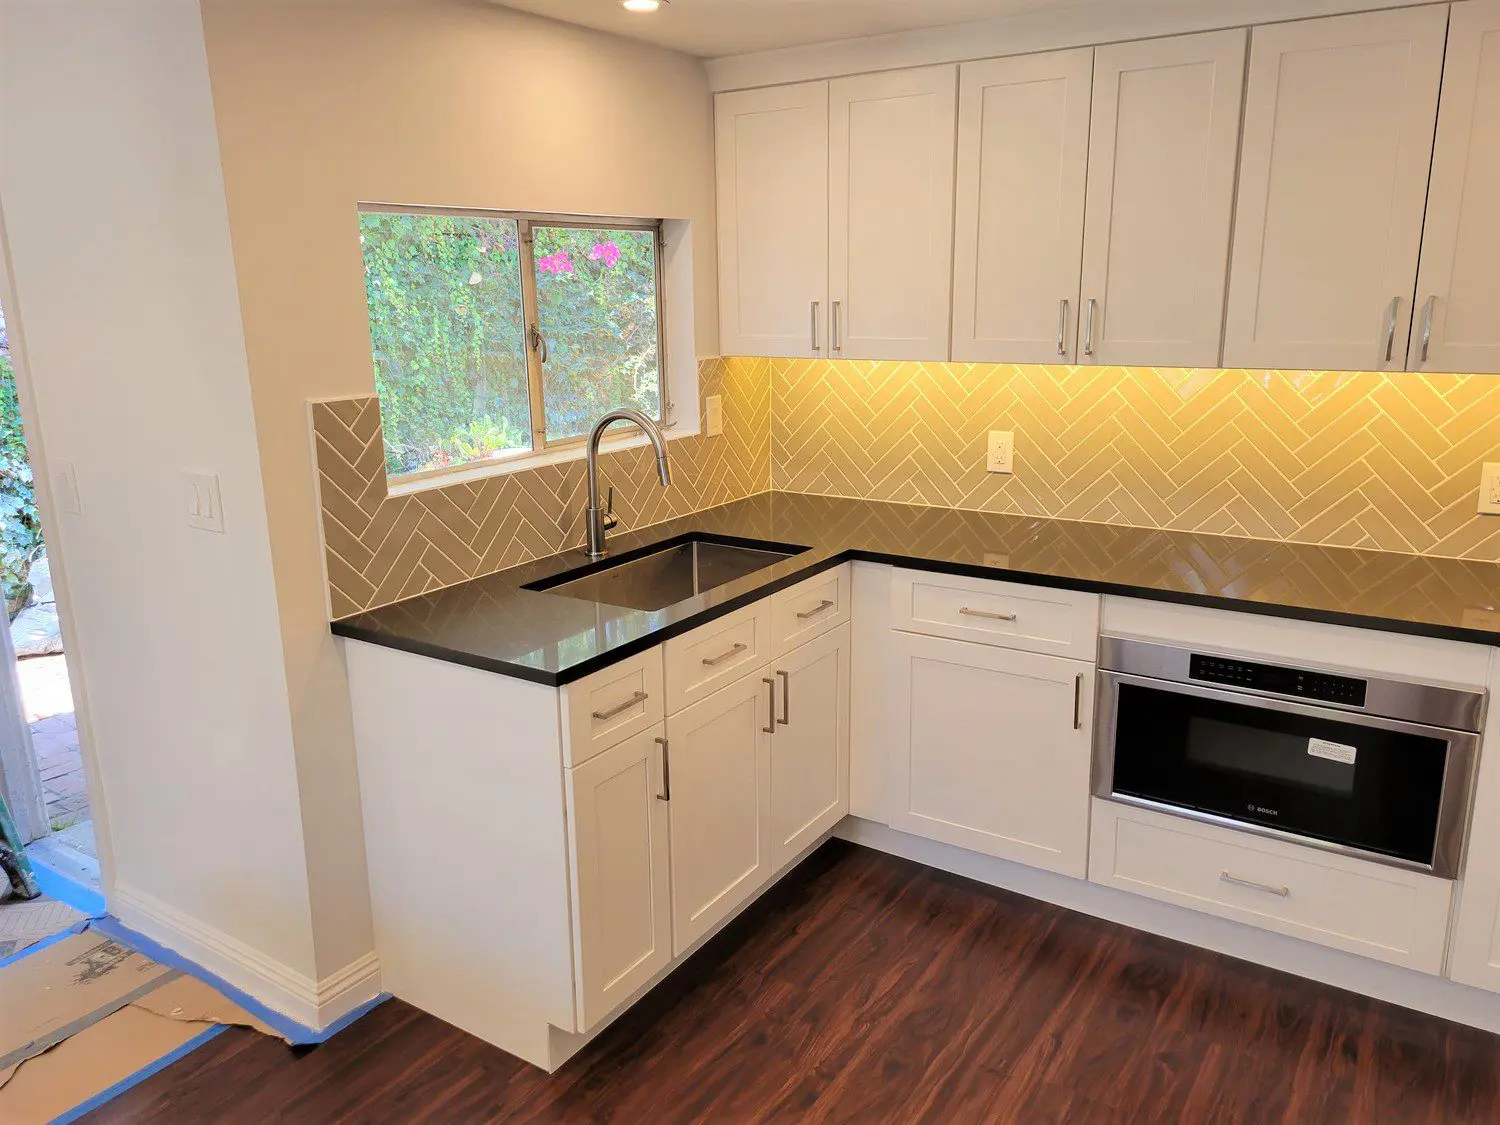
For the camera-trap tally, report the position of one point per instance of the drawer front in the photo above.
(1034, 618)
(714, 655)
(1347, 903)
(611, 705)
(810, 609)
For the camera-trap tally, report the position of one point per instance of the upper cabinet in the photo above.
(1338, 133)
(772, 158)
(1023, 150)
(1458, 285)
(1163, 143)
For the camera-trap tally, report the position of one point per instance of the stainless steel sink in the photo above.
(671, 574)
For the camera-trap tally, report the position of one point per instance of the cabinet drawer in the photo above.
(1347, 903)
(701, 662)
(1034, 618)
(809, 609)
(611, 705)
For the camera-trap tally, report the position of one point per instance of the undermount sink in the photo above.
(671, 573)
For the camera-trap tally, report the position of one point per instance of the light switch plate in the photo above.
(1002, 452)
(65, 488)
(1489, 489)
(204, 509)
(715, 407)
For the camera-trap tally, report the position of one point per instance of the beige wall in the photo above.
(440, 102)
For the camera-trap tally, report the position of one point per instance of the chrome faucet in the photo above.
(600, 519)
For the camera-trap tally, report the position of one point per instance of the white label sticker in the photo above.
(1333, 751)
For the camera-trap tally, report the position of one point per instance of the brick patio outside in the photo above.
(48, 700)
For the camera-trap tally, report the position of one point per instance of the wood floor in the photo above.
(867, 988)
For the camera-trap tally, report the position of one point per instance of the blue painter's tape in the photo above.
(288, 1028)
(139, 1076)
(50, 939)
(68, 890)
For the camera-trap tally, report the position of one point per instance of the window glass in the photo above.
(597, 309)
(448, 332)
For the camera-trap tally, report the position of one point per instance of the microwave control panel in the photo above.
(1346, 691)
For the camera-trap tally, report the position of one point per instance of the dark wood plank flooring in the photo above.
(866, 988)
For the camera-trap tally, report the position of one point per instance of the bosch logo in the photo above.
(1262, 811)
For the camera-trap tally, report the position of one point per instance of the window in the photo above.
(496, 335)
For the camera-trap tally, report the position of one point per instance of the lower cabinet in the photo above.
(719, 771)
(990, 750)
(622, 908)
(810, 749)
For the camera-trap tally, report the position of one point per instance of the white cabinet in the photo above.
(1338, 132)
(622, 903)
(772, 164)
(810, 749)
(890, 240)
(1023, 139)
(990, 750)
(1163, 143)
(719, 769)
(1458, 285)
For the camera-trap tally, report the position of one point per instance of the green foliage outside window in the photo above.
(20, 525)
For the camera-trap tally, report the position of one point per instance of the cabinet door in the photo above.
(810, 750)
(772, 164)
(890, 237)
(1023, 148)
(622, 904)
(1458, 286)
(990, 750)
(720, 768)
(1163, 142)
(1339, 118)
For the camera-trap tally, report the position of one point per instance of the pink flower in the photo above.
(561, 262)
(607, 252)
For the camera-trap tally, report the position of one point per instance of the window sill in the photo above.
(483, 470)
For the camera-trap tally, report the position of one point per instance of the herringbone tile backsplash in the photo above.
(1367, 459)
(1359, 459)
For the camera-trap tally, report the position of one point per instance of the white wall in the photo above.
(125, 295)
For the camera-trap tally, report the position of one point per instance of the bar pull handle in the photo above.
(838, 327)
(715, 661)
(1088, 328)
(1249, 884)
(967, 612)
(786, 699)
(1427, 312)
(770, 727)
(1078, 701)
(822, 607)
(1062, 327)
(666, 770)
(815, 326)
(1390, 327)
(638, 697)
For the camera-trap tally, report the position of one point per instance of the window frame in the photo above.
(541, 445)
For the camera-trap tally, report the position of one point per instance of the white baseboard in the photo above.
(1410, 989)
(313, 1004)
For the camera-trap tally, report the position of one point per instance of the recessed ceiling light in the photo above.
(641, 5)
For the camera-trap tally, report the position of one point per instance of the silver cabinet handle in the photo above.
(1427, 310)
(838, 328)
(1078, 701)
(822, 607)
(770, 727)
(1390, 327)
(715, 661)
(786, 699)
(1280, 892)
(967, 612)
(666, 770)
(638, 697)
(815, 326)
(1088, 328)
(1062, 327)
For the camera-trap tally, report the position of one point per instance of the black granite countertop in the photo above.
(494, 624)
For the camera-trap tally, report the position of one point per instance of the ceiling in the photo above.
(714, 28)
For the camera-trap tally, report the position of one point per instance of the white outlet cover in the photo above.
(1002, 452)
(715, 405)
(1489, 489)
(205, 511)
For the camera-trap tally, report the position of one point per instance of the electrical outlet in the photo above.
(1002, 452)
(715, 405)
(1489, 489)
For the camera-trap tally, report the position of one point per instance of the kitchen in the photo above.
(1058, 487)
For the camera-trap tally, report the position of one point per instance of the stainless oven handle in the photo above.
(1250, 884)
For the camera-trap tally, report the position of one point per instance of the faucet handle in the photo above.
(611, 521)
